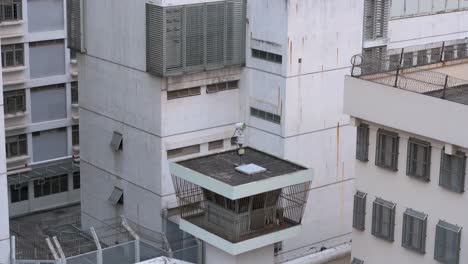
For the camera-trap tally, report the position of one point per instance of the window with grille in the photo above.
(218, 144)
(386, 154)
(383, 219)
(19, 192)
(268, 56)
(359, 211)
(74, 92)
(195, 37)
(76, 180)
(12, 55)
(14, 101)
(16, 146)
(50, 185)
(218, 87)
(265, 115)
(10, 10)
(362, 144)
(414, 231)
(418, 159)
(357, 261)
(183, 93)
(435, 55)
(178, 152)
(75, 135)
(447, 243)
(376, 14)
(452, 171)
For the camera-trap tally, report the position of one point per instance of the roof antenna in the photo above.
(238, 139)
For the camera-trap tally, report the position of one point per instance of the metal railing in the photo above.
(408, 70)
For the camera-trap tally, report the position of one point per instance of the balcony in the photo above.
(240, 203)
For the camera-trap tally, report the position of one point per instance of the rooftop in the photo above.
(222, 166)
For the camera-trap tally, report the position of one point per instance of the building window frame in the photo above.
(11, 10)
(359, 211)
(267, 116)
(14, 101)
(222, 86)
(414, 231)
(19, 192)
(418, 162)
(12, 55)
(51, 185)
(387, 150)
(362, 143)
(447, 243)
(383, 219)
(74, 92)
(216, 144)
(267, 56)
(452, 171)
(16, 146)
(183, 151)
(183, 93)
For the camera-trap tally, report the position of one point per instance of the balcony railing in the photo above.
(409, 70)
(245, 218)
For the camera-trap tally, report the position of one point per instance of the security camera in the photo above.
(240, 126)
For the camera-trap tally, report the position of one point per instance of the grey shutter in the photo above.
(414, 230)
(174, 38)
(447, 243)
(38, 22)
(74, 34)
(195, 38)
(359, 212)
(48, 103)
(362, 143)
(47, 58)
(116, 142)
(235, 31)
(155, 35)
(50, 144)
(383, 211)
(376, 14)
(452, 171)
(215, 34)
(116, 195)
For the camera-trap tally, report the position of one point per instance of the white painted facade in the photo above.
(46, 62)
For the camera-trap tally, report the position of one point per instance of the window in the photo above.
(14, 101)
(116, 196)
(19, 192)
(278, 246)
(174, 153)
(376, 14)
(362, 144)
(10, 10)
(452, 171)
(74, 92)
(414, 231)
(218, 87)
(357, 261)
(422, 57)
(76, 180)
(75, 135)
(16, 146)
(265, 115)
(50, 144)
(418, 159)
(50, 185)
(50, 51)
(12, 55)
(447, 243)
(268, 56)
(383, 219)
(359, 211)
(386, 155)
(183, 93)
(218, 144)
(48, 103)
(449, 53)
(435, 55)
(116, 141)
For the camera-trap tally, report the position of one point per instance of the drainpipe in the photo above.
(325, 256)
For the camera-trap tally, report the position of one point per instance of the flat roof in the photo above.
(457, 94)
(222, 166)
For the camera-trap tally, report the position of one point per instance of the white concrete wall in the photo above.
(428, 197)
(213, 255)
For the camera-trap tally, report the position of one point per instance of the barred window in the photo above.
(452, 171)
(418, 159)
(174, 153)
(265, 115)
(386, 155)
(14, 101)
(12, 55)
(435, 55)
(16, 146)
(359, 211)
(383, 219)
(357, 261)
(183, 93)
(362, 144)
(414, 231)
(218, 87)
(19, 192)
(447, 243)
(76, 180)
(218, 144)
(74, 92)
(10, 10)
(75, 135)
(50, 185)
(268, 56)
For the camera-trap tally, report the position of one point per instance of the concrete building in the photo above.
(166, 81)
(40, 92)
(411, 150)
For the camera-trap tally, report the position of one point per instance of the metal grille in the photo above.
(383, 219)
(376, 14)
(14, 101)
(362, 143)
(359, 211)
(447, 243)
(11, 10)
(452, 171)
(386, 154)
(74, 30)
(12, 55)
(414, 231)
(418, 159)
(195, 37)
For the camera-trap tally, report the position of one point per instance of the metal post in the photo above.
(398, 68)
(98, 245)
(13, 249)
(445, 86)
(168, 246)
(442, 52)
(52, 249)
(60, 251)
(135, 236)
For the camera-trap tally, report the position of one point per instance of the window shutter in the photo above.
(362, 144)
(155, 35)
(74, 21)
(376, 14)
(359, 212)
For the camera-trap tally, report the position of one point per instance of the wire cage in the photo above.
(245, 218)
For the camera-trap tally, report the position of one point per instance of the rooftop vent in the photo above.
(250, 169)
